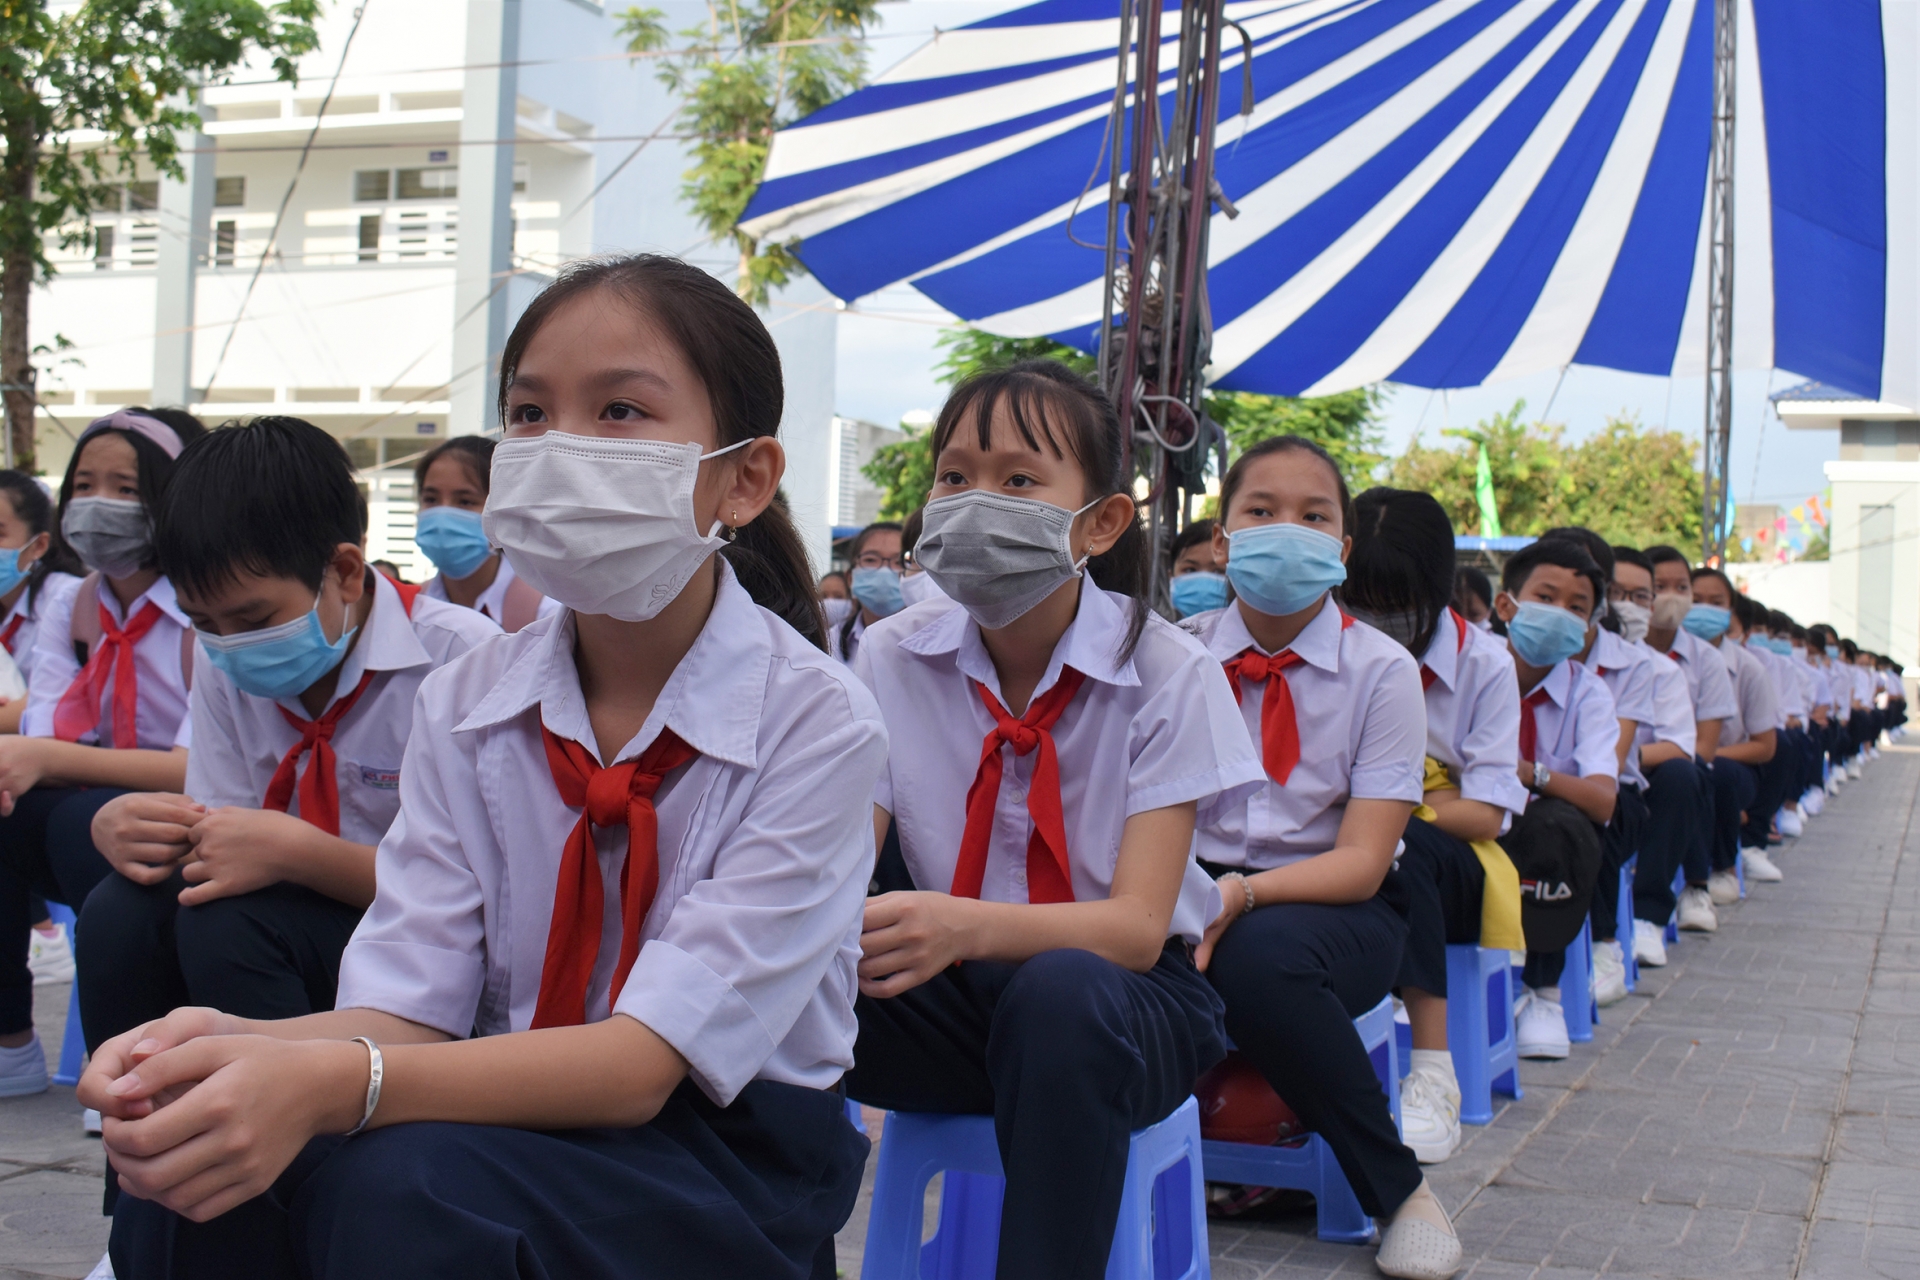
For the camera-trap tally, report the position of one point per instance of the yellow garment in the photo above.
(1500, 903)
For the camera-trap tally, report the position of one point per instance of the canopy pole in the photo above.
(1717, 424)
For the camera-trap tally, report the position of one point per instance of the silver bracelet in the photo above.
(1245, 888)
(376, 1068)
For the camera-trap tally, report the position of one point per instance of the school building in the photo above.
(466, 149)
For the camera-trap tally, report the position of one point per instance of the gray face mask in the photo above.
(1402, 625)
(112, 535)
(1634, 620)
(997, 556)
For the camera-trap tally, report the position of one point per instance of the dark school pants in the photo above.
(1773, 782)
(1679, 799)
(1735, 786)
(1069, 1053)
(273, 953)
(1444, 884)
(46, 848)
(1620, 839)
(753, 1189)
(1294, 976)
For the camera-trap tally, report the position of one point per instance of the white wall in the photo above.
(1857, 485)
(1800, 590)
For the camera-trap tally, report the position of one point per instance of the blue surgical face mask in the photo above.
(1708, 621)
(1545, 634)
(1760, 644)
(1783, 647)
(277, 662)
(1832, 652)
(1198, 592)
(452, 538)
(879, 590)
(1280, 569)
(12, 572)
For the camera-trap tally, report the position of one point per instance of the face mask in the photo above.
(453, 539)
(1708, 621)
(1198, 592)
(879, 590)
(604, 526)
(111, 535)
(998, 556)
(1402, 625)
(1634, 620)
(278, 662)
(1832, 653)
(1783, 647)
(1670, 611)
(918, 588)
(1545, 634)
(1280, 569)
(1760, 644)
(12, 572)
(837, 611)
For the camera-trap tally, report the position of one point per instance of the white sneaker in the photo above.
(1696, 911)
(1836, 780)
(1759, 866)
(90, 1122)
(103, 1269)
(1724, 888)
(1430, 1113)
(24, 1070)
(1855, 769)
(1814, 801)
(1609, 973)
(49, 956)
(1540, 1029)
(1790, 823)
(1415, 1249)
(1649, 944)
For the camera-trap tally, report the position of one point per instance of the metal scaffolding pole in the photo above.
(1717, 432)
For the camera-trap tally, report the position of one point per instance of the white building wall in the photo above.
(1875, 556)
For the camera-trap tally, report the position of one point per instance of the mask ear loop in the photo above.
(1080, 565)
(718, 523)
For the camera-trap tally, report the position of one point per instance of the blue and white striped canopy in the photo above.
(1433, 192)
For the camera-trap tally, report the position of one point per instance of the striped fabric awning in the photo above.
(1434, 192)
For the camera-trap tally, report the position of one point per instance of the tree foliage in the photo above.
(1631, 484)
(85, 91)
(755, 67)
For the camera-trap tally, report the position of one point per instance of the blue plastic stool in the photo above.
(73, 1042)
(854, 1117)
(1623, 921)
(1486, 1056)
(1576, 988)
(1161, 1234)
(1310, 1166)
(1673, 921)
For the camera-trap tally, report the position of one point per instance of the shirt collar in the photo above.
(160, 593)
(1610, 651)
(712, 701)
(1090, 644)
(1558, 683)
(1446, 649)
(1318, 643)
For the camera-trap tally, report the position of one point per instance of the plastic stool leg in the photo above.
(1502, 1038)
(1467, 1034)
(73, 1041)
(1623, 922)
(1341, 1220)
(967, 1245)
(1576, 988)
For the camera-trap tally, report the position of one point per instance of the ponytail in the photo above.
(730, 350)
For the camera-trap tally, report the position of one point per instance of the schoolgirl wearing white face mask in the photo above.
(612, 948)
(1314, 916)
(1052, 743)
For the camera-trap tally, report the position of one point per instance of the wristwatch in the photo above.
(1541, 777)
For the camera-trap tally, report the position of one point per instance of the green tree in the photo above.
(755, 67)
(1346, 425)
(1530, 480)
(1637, 486)
(124, 71)
(903, 471)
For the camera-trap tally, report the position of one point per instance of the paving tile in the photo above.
(1852, 1251)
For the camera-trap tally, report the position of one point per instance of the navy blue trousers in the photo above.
(756, 1189)
(1069, 1053)
(1295, 975)
(46, 848)
(1620, 839)
(1444, 884)
(1735, 786)
(1679, 800)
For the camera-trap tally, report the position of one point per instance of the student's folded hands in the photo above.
(236, 851)
(22, 766)
(200, 1119)
(143, 835)
(907, 938)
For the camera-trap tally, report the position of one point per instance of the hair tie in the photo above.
(141, 424)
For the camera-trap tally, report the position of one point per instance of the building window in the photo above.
(427, 184)
(521, 171)
(372, 184)
(363, 453)
(230, 193)
(143, 197)
(223, 238)
(109, 201)
(103, 248)
(370, 237)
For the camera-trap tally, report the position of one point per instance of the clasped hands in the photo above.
(147, 836)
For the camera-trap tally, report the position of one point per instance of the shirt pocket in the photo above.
(369, 799)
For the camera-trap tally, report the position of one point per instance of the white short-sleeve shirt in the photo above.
(161, 721)
(1819, 690)
(1144, 732)
(1473, 712)
(1363, 736)
(1707, 681)
(747, 956)
(244, 737)
(30, 610)
(1756, 706)
(1576, 727)
(493, 601)
(1672, 709)
(1628, 672)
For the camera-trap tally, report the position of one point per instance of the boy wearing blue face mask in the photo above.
(874, 583)
(451, 482)
(1196, 583)
(241, 894)
(1569, 736)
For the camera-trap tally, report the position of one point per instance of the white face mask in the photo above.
(916, 588)
(1634, 620)
(600, 524)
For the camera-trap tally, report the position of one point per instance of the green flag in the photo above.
(1483, 494)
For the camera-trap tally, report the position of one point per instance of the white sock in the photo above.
(1548, 993)
(1440, 1061)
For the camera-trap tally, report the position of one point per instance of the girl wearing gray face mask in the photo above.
(1051, 744)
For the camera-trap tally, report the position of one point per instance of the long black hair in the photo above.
(735, 359)
(35, 510)
(1402, 559)
(1237, 473)
(475, 453)
(156, 465)
(1049, 402)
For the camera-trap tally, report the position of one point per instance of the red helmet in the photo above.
(1238, 1105)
